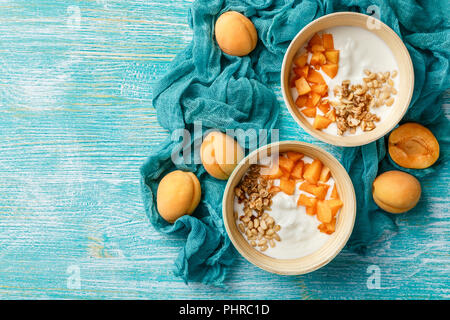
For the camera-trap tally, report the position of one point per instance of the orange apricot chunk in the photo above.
(334, 193)
(328, 42)
(320, 191)
(287, 186)
(315, 40)
(324, 107)
(313, 100)
(302, 86)
(294, 156)
(334, 205)
(301, 101)
(315, 77)
(312, 172)
(321, 122)
(311, 210)
(325, 174)
(324, 213)
(330, 69)
(318, 58)
(300, 61)
(332, 56)
(273, 172)
(304, 200)
(286, 164)
(297, 172)
(309, 112)
(413, 146)
(320, 89)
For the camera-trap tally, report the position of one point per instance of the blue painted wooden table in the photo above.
(77, 122)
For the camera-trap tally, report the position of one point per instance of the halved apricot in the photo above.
(413, 146)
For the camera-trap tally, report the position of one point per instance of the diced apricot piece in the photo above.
(302, 86)
(316, 77)
(332, 56)
(300, 61)
(334, 192)
(309, 112)
(287, 186)
(294, 156)
(312, 172)
(324, 213)
(328, 228)
(313, 100)
(274, 172)
(304, 200)
(298, 72)
(311, 210)
(320, 89)
(330, 69)
(304, 71)
(274, 190)
(331, 115)
(334, 205)
(292, 81)
(315, 40)
(325, 174)
(286, 164)
(317, 48)
(307, 187)
(301, 101)
(320, 191)
(321, 122)
(324, 107)
(297, 172)
(318, 58)
(328, 42)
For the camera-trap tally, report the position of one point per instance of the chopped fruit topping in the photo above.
(334, 205)
(313, 100)
(295, 156)
(274, 172)
(297, 172)
(312, 172)
(287, 186)
(321, 122)
(324, 213)
(332, 56)
(331, 115)
(325, 174)
(301, 101)
(302, 86)
(334, 193)
(316, 77)
(330, 69)
(320, 89)
(309, 112)
(320, 191)
(315, 40)
(304, 200)
(286, 164)
(324, 107)
(317, 48)
(328, 42)
(300, 61)
(318, 58)
(311, 210)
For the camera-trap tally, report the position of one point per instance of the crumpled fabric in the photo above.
(224, 92)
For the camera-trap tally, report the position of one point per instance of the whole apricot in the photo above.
(413, 146)
(396, 191)
(178, 194)
(220, 154)
(235, 34)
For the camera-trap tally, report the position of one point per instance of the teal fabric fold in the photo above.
(225, 92)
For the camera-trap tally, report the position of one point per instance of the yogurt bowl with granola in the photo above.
(345, 83)
(289, 207)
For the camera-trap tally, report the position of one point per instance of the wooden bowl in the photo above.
(405, 74)
(337, 240)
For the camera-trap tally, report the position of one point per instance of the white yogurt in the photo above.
(299, 233)
(359, 49)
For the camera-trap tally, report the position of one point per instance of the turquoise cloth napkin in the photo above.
(225, 92)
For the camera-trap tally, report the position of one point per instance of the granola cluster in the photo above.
(355, 102)
(256, 224)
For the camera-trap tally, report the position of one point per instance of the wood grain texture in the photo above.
(76, 123)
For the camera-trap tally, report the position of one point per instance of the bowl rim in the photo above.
(340, 141)
(337, 249)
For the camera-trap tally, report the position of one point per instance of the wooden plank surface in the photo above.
(76, 123)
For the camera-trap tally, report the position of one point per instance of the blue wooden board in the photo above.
(77, 122)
